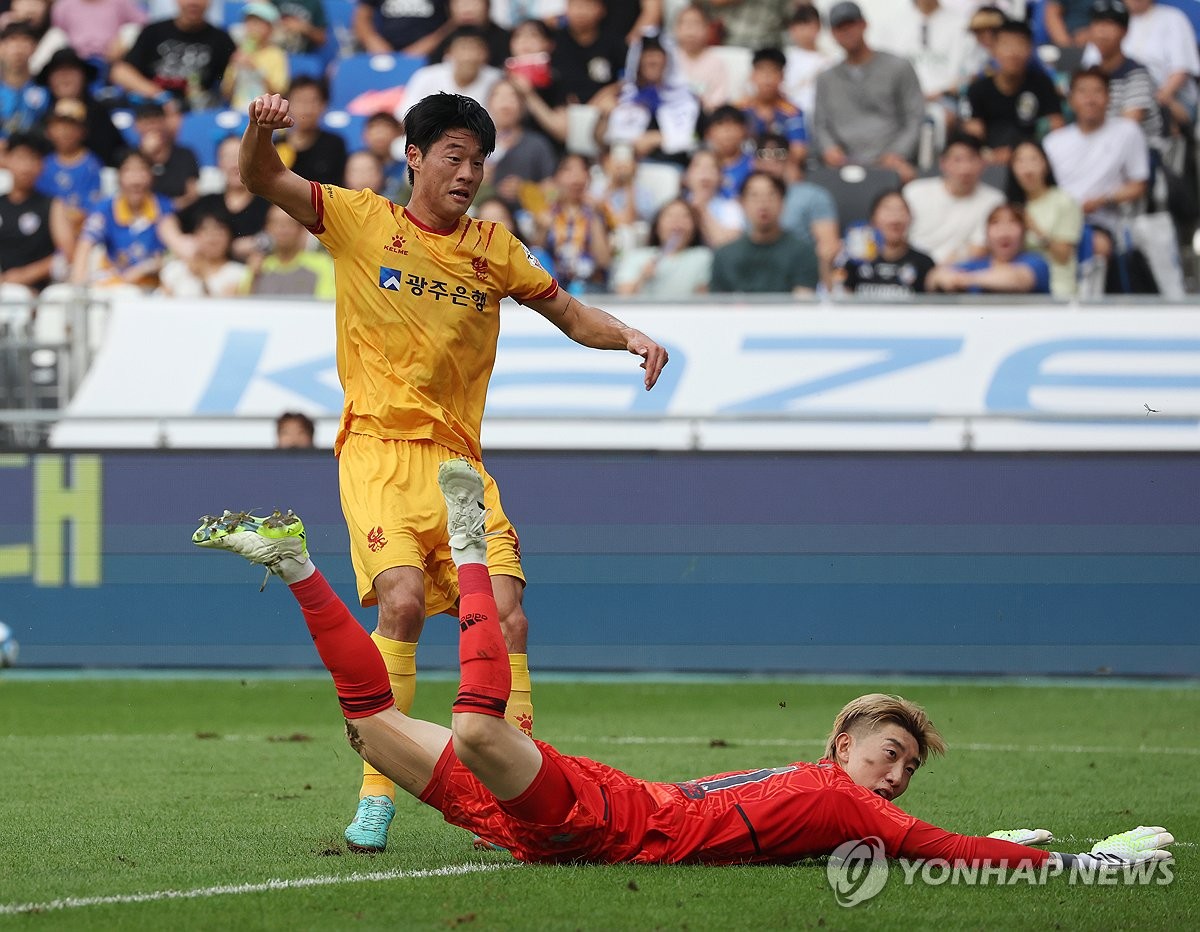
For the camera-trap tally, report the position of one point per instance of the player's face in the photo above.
(450, 173)
(883, 761)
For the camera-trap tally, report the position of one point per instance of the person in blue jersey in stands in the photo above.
(70, 173)
(1006, 268)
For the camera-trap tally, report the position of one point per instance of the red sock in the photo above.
(349, 654)
(485, 679)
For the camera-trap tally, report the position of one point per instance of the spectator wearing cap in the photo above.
(804, 59)
(1162, 39)
(175, 168)
(70, 173)
(727, 137)
(766, 258)
(464, 70)
(1067, 21)
(949, 212)
(699, 62)
(258, 66)
(23, 102)
(1016, 101)
(751, 24)
(869, 106)
(32, 224)
(382, 26)
(93, 27)
(1131, 89)
(180, 60)
(982, 26)
(303, 27)
(1100, 160)
(67, 76)
(767, 110)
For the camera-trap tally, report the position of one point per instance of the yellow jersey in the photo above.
(418, 315)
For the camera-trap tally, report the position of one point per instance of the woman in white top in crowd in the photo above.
(209, 273)
(676, 264)
(1053, 218)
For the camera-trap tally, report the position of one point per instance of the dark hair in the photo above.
(727, 113)
(1093, 72)
(805, 13)
(511, 225)
(307, 81)
(974, 143)
(538, 26)
(305, 422)
(573, 157)
(28, 141)
(695, 214)
(777, 183)
(771, 54)
(1015, 27)
(383, 117)
(883, 196)
(773, 140)
(1012, 189)
(467, 32)
(128, 155)
(429, 119)
(219, 214)
(1008, 207)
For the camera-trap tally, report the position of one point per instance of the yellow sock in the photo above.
(520, 702)
(400, 658)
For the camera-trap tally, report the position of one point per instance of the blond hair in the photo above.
(871, 712)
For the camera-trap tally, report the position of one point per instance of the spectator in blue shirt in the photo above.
(768, 110)
(70, 173)
(22, 101)
(1005, 269)
(726, 136)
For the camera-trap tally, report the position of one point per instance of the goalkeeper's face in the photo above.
(883, 760)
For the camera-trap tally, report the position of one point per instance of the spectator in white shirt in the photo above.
(1100, 160)
(935, 39)
(949, 212)
(1161, 38)
(464, 70)
(804, 59)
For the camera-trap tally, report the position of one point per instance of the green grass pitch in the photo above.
(146, 803)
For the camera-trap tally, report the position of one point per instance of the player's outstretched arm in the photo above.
(598, 329)
(263, 172)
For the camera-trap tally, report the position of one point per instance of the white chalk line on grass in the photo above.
(77, 902)
(983, 747)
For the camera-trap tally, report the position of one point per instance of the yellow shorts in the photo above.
(397, 517)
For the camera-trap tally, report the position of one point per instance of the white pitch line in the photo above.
(76, 902)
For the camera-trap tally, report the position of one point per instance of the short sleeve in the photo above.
(1041, 271)
(527, 280)
(341, 215)
(1067, 226)
(821, 205)
(1137, 153)
(1049, 102)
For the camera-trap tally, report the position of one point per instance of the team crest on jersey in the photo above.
(397, 245)
(375, 539)
(530, 257)
(390, 279)
(480, 267)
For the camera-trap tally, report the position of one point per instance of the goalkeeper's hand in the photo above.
(1024, 836)
(1137, 846)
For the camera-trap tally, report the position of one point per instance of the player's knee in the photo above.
(514, 624)
(476, 737)
(400, 613)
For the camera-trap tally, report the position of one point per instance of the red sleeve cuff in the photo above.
(318, 203)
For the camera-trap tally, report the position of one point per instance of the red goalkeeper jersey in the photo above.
(778, 815)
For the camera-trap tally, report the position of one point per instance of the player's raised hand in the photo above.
(654, 356)
(270, 111)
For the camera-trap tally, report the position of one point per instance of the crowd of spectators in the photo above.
(665, 148)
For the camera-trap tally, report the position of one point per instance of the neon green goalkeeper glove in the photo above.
(1025, 836)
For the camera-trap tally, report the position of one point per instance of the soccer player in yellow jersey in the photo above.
(418, 294)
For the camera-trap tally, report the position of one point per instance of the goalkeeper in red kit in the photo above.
(490, 778)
